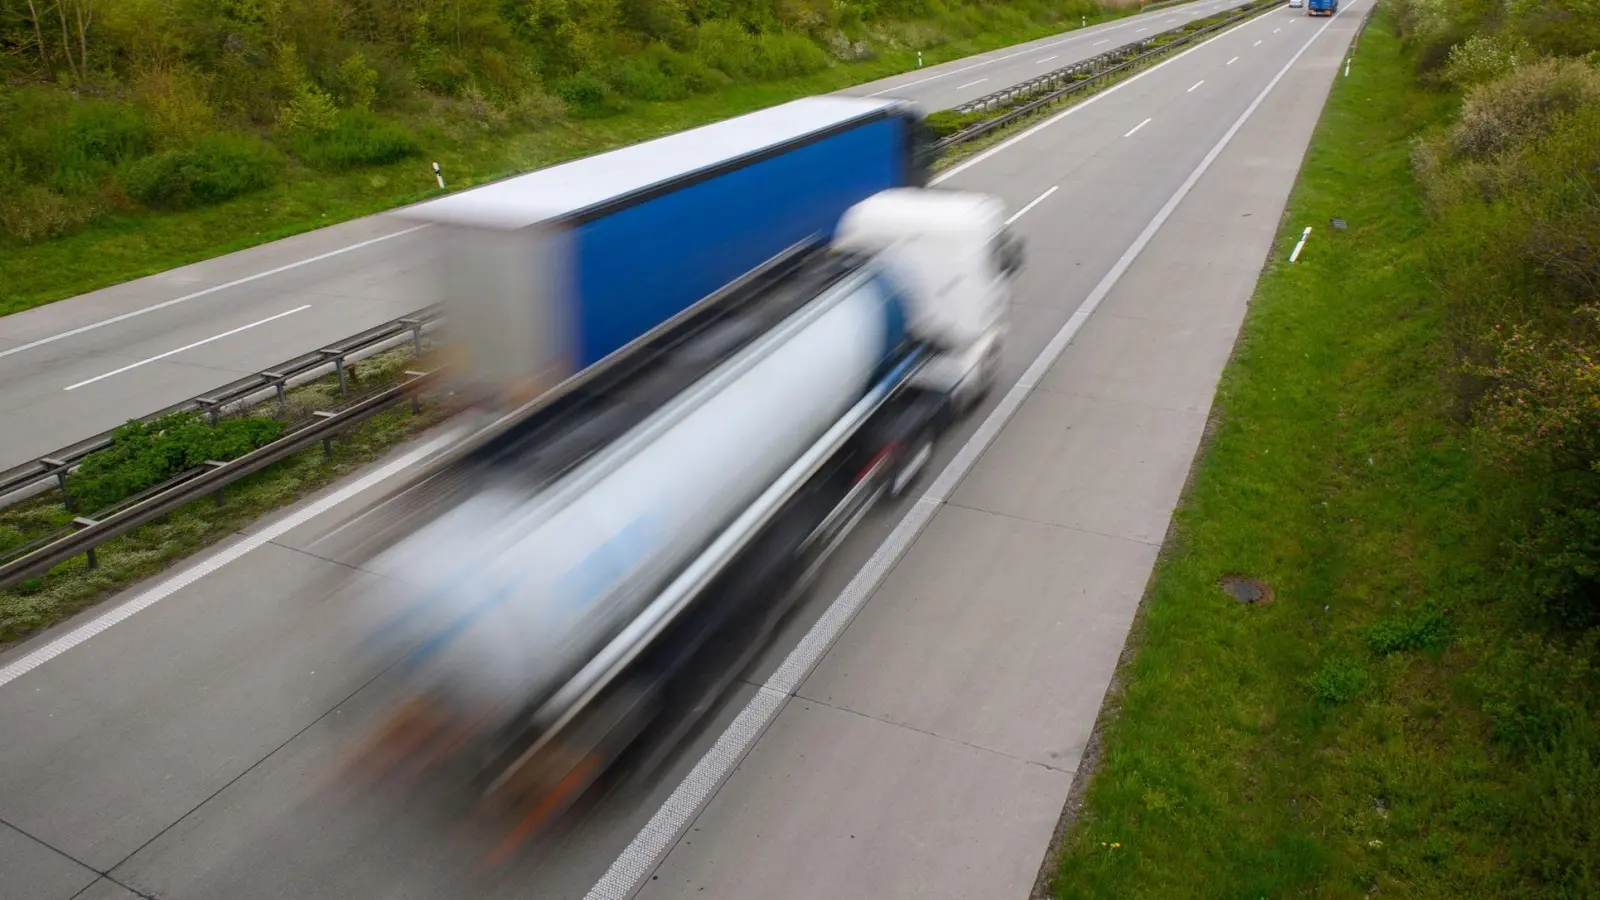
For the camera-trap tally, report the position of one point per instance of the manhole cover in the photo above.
(1246, 590)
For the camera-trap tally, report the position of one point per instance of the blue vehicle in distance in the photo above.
(1322, 7)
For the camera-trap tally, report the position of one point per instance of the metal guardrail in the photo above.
(267, 384)
(210, 480)
(38, 557)
(1044, 90)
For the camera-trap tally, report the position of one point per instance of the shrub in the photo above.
(32, 213)
(1482, 58)
(1511, 111)
(1339, 680)
(311, 111)
(144, 454)
(67, 145)
(357, 82)
(946, 122)
(586, 94)
(1423, 629)
(356, 138)
(216, 168)
(175, 101)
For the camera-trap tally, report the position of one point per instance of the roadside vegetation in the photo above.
(143, 455)
(1406, 448)
(136, 135)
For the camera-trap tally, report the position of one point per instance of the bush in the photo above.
(67, 145)
(1507, 113)
(586, 94)
(946, 122)
(144, 454)
(1339, 680)
(1482, 58)
(356, 139)
(32, 213)
(216, 168)
(1424, 629)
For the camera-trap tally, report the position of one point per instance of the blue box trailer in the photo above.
(571, 263)
(1322, 7)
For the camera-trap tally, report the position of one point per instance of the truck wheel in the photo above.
(919, 452)
(983, 380)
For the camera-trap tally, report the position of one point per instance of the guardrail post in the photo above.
(59, 468)
(416, 334)
(280, 383)
(85, 522)
(212, 465)
(416, 398)
(327, 441)
(212, 408)
(338, 367)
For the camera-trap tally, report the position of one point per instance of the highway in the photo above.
(914, 729)
(79, 367)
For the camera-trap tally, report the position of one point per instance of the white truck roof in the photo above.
(581, 184)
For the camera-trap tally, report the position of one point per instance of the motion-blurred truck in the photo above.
(559, 576)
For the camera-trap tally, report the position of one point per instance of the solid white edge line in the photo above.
(1139, 126)
(634, 865)
(1032, 203)
(201, 343)
(169, 586)
(210, 290)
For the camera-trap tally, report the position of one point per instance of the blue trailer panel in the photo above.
(644, 263)
(551, 272)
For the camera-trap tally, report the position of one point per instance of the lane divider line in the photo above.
(1195, 85)
(979, 157)
(970, 84)
(200, 343)
(1231, 61)
(1035, 202)
(1139, 126)
(211, 290)
(633, 866)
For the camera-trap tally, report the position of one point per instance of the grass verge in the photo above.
(136, 243)
(73, 586)
(1350, 738)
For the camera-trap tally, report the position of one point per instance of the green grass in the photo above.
(1367, 731)
(73, 585)
(132, 244)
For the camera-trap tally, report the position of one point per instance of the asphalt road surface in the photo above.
(912, 732)
(74, 369)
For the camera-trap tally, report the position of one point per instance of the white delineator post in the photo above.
(1301, 245)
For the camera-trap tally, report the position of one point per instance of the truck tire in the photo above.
(913, 464)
